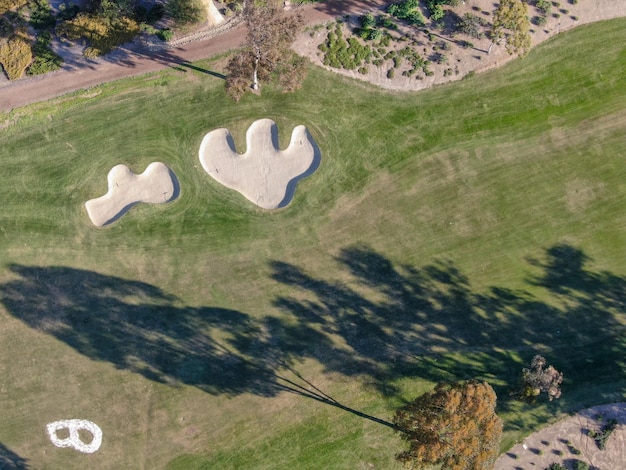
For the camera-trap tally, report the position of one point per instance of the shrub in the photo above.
(580, 465)
(391, 73)
(556, 466)
(15, 56)
(41, 16)
(6, 5)
(470, 24)
(386, 22)
(437, 13)
(45, 59)
(368, 21)
(341, 54)
(165, 34)
(604, 434)
(544, 6)
(103, 35)
(540, 20)
(67, 13)
(407, 10)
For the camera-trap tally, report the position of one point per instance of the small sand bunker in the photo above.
(265, 175)
(156, 185)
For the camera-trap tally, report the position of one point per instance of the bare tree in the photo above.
(270, 33)
(541, 379)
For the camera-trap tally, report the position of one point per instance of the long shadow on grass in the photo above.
(390, 322)
(139, 327)
(379, 324)
(9, 460)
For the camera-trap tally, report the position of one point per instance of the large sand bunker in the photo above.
(265, 175)
(157, 184)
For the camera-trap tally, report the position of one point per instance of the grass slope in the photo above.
(447, 234)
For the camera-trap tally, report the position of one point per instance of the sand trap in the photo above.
(156, 185)
(265, 175)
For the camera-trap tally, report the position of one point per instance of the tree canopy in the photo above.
(455, 425)
(270, 33)
(540, 378)
(511, 23)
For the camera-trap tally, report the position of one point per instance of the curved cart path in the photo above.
(137, 59)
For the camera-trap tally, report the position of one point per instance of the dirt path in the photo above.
(568, 441)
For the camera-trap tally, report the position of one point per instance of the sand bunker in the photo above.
(264, 174)
(156, 185)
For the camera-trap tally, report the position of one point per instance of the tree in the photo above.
(270, 33)
(540, 378)
(511, 23)
(454, 425)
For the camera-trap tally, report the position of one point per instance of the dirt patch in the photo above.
(453, 55)
(569, 441)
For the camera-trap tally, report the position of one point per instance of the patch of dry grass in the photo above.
(15, 56)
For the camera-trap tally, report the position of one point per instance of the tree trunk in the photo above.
(255, 79)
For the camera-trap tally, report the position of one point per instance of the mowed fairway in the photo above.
(447, 234)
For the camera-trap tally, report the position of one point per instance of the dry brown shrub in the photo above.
(103, 36)
(15, 56)
(6, 5)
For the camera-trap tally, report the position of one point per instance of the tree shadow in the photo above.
(138, 327)
(9, 460)
(141, 328)
(380, 323)
(186, 65)
(391, 321)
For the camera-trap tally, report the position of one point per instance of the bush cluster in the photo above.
(407, 10)
(603, 435)
(435, 7)
(339, 53)
(370, 26)
(544, 6)
(45, 59)
(103, 35)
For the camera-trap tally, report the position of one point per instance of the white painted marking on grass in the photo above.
(74, 441)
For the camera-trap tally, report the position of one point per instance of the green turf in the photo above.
(447, 234)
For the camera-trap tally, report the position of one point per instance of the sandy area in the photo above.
(567, 441)
(155, 185)
(265, 175)
(460, 60)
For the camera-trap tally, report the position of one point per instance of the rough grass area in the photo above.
(448, 234)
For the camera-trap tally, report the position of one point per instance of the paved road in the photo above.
(137, 59)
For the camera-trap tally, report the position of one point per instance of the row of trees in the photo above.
(456, 425)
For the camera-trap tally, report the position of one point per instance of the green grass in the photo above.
(447, 234)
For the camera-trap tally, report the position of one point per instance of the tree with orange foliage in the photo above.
(455, 425)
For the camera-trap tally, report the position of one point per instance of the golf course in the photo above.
(446, 234)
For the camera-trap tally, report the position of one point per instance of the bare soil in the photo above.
(459, 60)
(568, 441)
